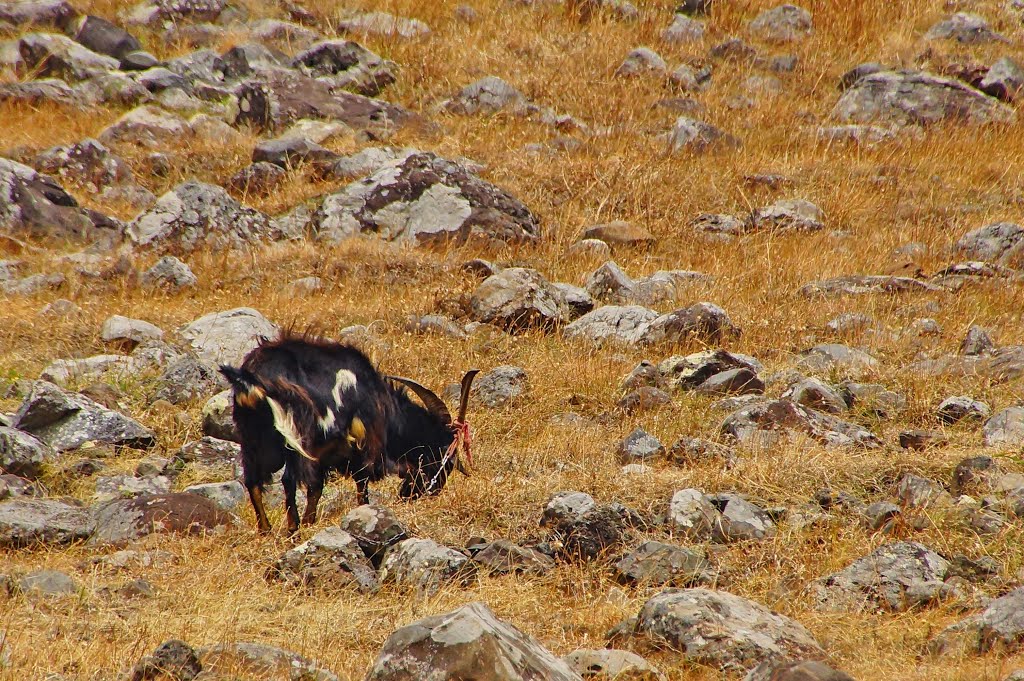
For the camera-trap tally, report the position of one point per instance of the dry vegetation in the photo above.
(930, 189)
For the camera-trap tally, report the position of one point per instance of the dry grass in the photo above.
(930, 190)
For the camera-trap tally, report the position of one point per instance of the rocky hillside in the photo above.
(745, 282)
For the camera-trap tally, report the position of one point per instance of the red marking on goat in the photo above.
(463, 438)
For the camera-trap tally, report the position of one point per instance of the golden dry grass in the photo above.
(930, 190)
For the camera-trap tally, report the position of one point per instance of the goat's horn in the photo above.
(432, 402)
(467, 382)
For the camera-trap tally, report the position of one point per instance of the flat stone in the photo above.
(26, 522)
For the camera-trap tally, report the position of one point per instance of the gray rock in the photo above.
(194, 215)
(607, 663)
(34, 92)
(740, 381)
(976, 342)
(658, 564)
(688, 134)
(290, 151)
(48, 55)
(802, 670)
(966, 28)
(329, 560)
(218, 417)
(258, 660)
(703, 322)
(500, 386)
(796, 215)
(1001, 243)
(227, 337)
(612, 323)
(25, 522)
(63, 371)
(608, 282)
(152, 12)
(347, 65)
(128, 332)
(259, 179)
(718, 225)
(383, 24)
(785, 23)
(692, 450)
(868, 135)
(425, 565)
(34, 204)
(433, 324)
(375, 528)
(601, 528)
(14, 486)
(862, 284)
(489, 96)
(65, 421)
(620, 233)
(88, 162)
(896, 577)
(999, 627)
(517, 298)
(368, 161)
(463, 642)
(691, 371)
(873, 398)
(692, 515)
(424, 198)
(640, 446)
(683, 30)
(640, 61)
(566, 507)
(644, 398)
(761, 420)
(961, 408)
(719, 629)
(916, 98)
(812, 393)
(504, 557)
(575, 300)
(172, 659)
(998, 366)
(917, 492)
(128, 486)
(877, 516)
(168, 272)
(1005, 80)
(33, 284)
(743, 521)
(37, 12)
(188, 379)
(24, 455)
(1005, 429)
(835, 358)
(146, 126)
(47, 583)
(227, 495)
(103, 37)
(123, 520)
(208, 451)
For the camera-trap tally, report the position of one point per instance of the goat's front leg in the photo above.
(256, 497)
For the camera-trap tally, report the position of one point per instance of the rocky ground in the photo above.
(745, 282)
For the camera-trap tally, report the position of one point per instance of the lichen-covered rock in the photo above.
(998, 628)
(331, 558)
(423, 199)
(469, 642)
(25, 521)
(227, 337)
(703, 322)
(753, 421)
(917, 98)
(612, 664)
(692, 515)
(146, 126)
(1001, 243)
(688, 134)
(722, 630)
(798, 670)
(1005, 429)
(566, 507)
(894, 577)
(641, 60)
(488, 96)
(962, 408)
(218, 417)
(795, 215)
(123, 520)
(965, 28)
(861, 284)
(88, 162)
(640, 446)
(1005, 80)
(690, 371)
(425, 565)
(611, 323)
(128, 332)
(49, 55)
(834, 357)
(375, 528)
(517, 298)
(785, 23)
(62, 371)
(187, 379)
(195, 215)
(383, 24)
(347, 65)
(66, 420)
(227, 495)
(24, 455)
(504, 557)
(169, 272)
(656, 564)
(500, 386)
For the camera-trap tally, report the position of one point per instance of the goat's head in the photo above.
(441, 441)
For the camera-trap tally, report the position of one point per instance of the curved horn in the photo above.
(467, 382)
(432, 402)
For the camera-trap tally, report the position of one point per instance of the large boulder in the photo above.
(66, 420)
(49, 55)
(753, 422)
(722, 630)
(423, 199)
(195, 215)
(123, 520)
(24, 522)
(998, 628)
(917, 98)
(227, 337)
(467, 643)
(34, 204)
(517, 298)
(88, 162)
(896, 577)
(331, 558)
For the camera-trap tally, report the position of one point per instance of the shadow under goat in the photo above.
(313, 406)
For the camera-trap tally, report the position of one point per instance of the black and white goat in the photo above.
(314, 406)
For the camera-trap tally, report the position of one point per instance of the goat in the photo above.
(313, 406)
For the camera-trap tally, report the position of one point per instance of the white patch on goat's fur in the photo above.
(343, 380)
(285, 424)
(326, 421)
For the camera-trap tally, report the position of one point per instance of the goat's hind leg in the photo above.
(313, 494)
(290, 505)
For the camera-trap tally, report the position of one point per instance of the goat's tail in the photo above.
(248, 388)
